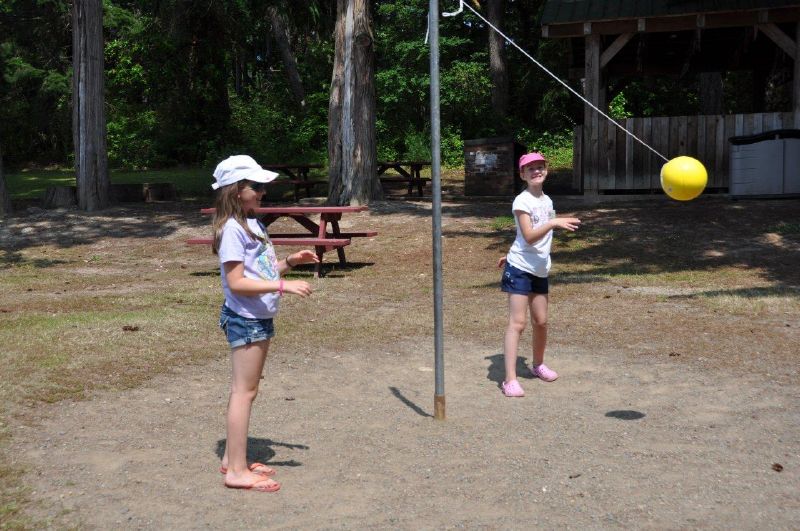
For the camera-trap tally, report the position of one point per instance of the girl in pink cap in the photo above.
(527, 265)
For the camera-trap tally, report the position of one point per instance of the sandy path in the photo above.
(351, 436)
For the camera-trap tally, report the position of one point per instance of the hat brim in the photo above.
(525, 160)
(262, 176)
(257, 175)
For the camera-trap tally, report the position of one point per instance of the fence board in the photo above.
(720, 139)
(641, 179)
(701, 139)
(605, 177)
(577, 158)
(611, 151)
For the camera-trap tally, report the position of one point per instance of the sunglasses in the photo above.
(256, 187)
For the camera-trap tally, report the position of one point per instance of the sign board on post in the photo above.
(490, 166)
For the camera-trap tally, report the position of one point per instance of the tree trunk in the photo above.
(710, 92)
(498, 69)
(352, 174)
(280, 32)
(5, 198)
(88, 100)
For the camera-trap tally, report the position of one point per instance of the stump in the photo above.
(60, 196)
(160, 192)
(127, 193)
(147, 192)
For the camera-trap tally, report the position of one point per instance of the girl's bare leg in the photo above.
(247, 362)
(538, 307)
(517, 315)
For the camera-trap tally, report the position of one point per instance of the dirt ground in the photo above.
(674, 328)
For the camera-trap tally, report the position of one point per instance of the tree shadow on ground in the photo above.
(652, 237)
(69, 227)
(261, 451)
(332, 269)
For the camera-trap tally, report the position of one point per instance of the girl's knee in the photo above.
(515, 325)
(540, 325)
(245, 394)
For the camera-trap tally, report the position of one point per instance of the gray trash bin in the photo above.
(765, 164)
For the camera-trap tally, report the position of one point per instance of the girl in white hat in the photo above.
(252, 286)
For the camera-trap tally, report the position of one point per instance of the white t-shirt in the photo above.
(533, 258)
(260, 263)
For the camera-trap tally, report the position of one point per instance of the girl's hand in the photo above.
(501, 263)
(305, 256)
(297, 287)
(570, 224)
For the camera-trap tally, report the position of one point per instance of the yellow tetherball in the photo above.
(683, 178)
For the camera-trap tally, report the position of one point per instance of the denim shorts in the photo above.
(521, 282)
(244, 330)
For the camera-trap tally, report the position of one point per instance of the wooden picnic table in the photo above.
(298, 176)
(315, 234)
(409, 172)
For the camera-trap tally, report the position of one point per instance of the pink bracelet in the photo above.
(280, 288)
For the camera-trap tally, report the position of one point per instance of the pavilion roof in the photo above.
(566, 11)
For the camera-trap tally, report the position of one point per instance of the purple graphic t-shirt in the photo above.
(260, 263)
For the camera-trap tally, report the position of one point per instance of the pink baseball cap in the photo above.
(527, 158)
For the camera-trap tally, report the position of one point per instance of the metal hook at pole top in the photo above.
(454, 13)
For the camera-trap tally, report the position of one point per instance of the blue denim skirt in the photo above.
(244, 330)
(521, 282)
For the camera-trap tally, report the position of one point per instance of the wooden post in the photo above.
(5, 197)
(796, 82)
(591, 120)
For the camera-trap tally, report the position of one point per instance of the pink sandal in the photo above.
(543, 372)
(261, 485)
(267, 471)
(513, 389)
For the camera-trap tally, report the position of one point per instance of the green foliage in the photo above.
(261, 127)
(618, 107)
(190, 81)
(556, 146)
(35, 118)
(667, 97)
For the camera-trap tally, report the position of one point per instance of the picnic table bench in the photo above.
(316, 234)
(408, 172)
(298, 176)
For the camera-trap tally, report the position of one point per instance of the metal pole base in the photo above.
(438, 407)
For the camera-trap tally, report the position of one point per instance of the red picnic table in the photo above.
(316, 234)
(411, 175)
(297, 175)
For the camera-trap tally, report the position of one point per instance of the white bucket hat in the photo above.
(240, 167)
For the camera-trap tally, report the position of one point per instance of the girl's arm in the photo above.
(241, 285)
(295, 259)
(533, 235)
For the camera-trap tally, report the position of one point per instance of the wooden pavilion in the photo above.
(614, 41)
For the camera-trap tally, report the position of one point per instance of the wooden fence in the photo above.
(609, 161)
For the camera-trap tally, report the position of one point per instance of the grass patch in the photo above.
(192, 183)
(785, 229)
(502, 223)
(754, 301)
